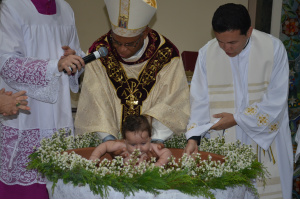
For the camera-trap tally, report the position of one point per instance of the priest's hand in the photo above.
(191, 147)
(227, 120)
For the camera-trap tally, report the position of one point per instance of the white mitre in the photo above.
(129, 18)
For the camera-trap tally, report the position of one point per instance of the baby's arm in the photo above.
(163, 155)
(108, 146)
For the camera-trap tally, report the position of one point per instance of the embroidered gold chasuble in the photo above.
(154, 85)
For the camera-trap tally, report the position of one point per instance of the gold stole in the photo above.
(220, 84)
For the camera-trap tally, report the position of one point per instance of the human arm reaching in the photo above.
(191, 147)
(199, 117)
(226, 121)
(106, 147)
(163, 155)
(70, 62)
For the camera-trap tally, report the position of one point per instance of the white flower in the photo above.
(237, 157)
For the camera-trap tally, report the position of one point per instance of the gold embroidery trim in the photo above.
(124, 13)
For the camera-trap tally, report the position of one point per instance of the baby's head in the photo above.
(136, 131)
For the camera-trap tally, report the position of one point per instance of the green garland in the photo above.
(190, 176)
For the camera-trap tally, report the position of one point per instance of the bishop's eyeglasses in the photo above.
(127, 45)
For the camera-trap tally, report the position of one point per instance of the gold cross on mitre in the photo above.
(151, 3)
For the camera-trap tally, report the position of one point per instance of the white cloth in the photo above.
(30, 48)
(69, 191)
(297, 140)
(130, 18)
(200, 130)
(34, 37)
(273, 102)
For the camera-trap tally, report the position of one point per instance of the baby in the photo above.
(136, 132)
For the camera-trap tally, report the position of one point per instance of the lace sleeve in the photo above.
(32, 75)
(73, 80)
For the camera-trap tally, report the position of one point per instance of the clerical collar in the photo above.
(45, 7)
(247, 43)
(139, 53)
(246, 48)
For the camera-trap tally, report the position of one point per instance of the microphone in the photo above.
(101, 52)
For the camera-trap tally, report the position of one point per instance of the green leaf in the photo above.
(50, 161)
(283, 18)
(292, 14)
(286, 7)
(296, 41)
(286, 43)
(293, 48)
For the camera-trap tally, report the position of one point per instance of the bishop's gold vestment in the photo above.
(154, 85)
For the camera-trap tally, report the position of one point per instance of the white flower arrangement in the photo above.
(189, 175)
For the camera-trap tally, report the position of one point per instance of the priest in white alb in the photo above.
(240, 89)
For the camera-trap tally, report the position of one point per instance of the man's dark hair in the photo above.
(136, 123)
(231, 17)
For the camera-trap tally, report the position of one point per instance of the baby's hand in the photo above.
(151, 153)
(93, 157)
(121, 152)
(145, 157)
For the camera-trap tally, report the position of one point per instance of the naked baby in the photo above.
(136, 132)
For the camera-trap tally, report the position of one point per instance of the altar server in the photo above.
(142, 74)
(32, 33)
(240, 89)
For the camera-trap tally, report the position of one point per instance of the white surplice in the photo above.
(273, 103)
(30, 48)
